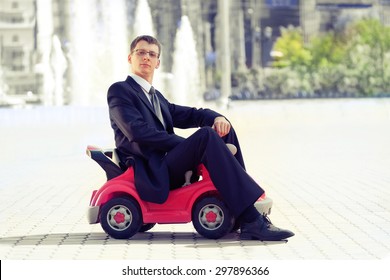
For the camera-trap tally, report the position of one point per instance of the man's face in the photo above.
(144, 60)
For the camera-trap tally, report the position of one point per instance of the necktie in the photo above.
(156, 105)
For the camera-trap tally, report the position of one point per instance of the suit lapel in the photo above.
(140, 93)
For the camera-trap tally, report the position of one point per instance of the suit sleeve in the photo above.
(189, 117)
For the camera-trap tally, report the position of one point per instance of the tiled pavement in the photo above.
(325, 163)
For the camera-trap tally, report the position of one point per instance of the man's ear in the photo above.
(129, 58)
(158, 64)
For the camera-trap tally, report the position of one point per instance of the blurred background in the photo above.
(68, 52)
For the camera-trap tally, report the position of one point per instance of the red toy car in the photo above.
(122, 213)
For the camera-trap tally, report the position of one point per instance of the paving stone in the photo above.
(323, 162)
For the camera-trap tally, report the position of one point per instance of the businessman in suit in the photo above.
(143, 122)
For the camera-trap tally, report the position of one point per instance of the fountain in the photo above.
(98, 49)
(58, 67)
(143, 22)
(185, 89)
(52, 62)
(143, 25)
(97, 53)
(44, 39)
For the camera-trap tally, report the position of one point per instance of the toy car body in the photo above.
(122, 213)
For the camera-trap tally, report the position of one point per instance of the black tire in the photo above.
(211, 217)
(121, 217)
(146, 227)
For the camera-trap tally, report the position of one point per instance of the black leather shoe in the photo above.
(262, 229)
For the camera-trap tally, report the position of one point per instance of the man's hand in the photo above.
(221, 126)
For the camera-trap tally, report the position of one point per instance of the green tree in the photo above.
(368, 56)
(355, 61)
(291, 47)
(327, 50)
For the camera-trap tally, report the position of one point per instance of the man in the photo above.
(143, 121)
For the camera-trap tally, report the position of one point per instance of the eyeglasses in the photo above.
(142, 53)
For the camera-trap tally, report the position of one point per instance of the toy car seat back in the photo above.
(108, 160)
(115, 157)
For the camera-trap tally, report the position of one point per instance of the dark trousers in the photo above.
(227, 172)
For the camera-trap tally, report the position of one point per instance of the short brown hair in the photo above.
(147, 38)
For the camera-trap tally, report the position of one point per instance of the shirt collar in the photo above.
(142, 82)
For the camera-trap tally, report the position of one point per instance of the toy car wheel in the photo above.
(211, 218)
(121, 217)
(146, 227)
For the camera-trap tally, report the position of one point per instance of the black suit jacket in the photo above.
(142, 140)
